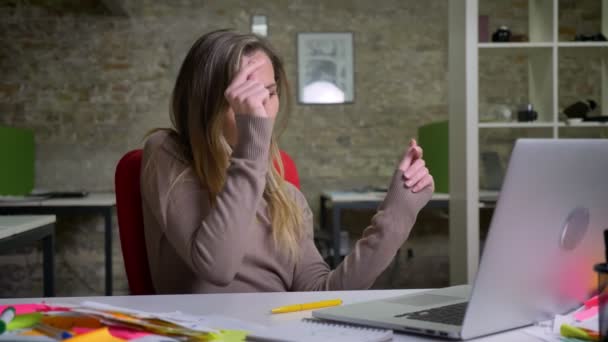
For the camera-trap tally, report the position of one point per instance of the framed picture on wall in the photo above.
(325, 68)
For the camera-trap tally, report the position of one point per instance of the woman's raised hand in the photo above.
(415, 174)
(245, 94)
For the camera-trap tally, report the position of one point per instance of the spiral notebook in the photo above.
(313, 330)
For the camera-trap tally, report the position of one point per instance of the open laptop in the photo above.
(545, 236)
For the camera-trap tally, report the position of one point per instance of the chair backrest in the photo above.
(290, 172)
(131, 223)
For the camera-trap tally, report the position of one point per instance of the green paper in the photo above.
(24, 321)
(228, 336)
(574, 332)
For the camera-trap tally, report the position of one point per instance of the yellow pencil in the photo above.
(307, 306)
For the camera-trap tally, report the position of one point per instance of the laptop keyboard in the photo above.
(449, 314)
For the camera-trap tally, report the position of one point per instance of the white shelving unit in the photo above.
(542, 54)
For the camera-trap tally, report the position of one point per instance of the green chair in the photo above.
(17, 161)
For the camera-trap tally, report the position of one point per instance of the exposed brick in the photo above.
(9, 90)
(116, 66)
(92, 85)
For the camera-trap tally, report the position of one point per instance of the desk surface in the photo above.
(255, 307)
(91, 200)
(16, 224)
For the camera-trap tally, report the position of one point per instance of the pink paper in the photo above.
(21, 309)
(594, 301)
(123, 333)
(586, 314)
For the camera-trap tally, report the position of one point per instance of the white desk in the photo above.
(340, 200)
(94, 204)
(255, 307)
(17, 231)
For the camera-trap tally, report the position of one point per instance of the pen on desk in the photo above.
(307, 306)
(52, 332)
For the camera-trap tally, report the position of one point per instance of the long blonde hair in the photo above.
(198, 109)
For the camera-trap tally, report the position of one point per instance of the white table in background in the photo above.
(255, 307)
(93, 204)
(22, 230)
(340, 200)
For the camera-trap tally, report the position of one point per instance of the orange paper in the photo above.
(98, 335)
(124, 333)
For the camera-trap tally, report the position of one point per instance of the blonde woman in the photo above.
(218, 215)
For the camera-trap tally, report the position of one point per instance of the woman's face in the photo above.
(264, 75)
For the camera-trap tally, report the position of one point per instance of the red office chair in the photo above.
(131, 223)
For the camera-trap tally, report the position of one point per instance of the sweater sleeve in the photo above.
(212, 239)
(372, 253)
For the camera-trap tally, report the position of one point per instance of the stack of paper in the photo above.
(100, 322)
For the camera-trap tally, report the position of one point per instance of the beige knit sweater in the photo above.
(195, 248)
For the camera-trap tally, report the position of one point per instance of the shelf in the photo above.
(550, 71)
(582, 44)
(514, 45)
(515, 124)
(583, 124)
(524, 45)
(539, 124)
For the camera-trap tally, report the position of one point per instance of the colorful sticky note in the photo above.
(100, 335)
(67, 322)
(123, 333)
(567, 330)
(24, 321)
(593, 301)
(21, 309)
(586, 314)
(228, 336)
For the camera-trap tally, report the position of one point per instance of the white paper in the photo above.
(204, 323)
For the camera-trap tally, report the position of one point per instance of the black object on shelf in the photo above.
(503, 34)
(599, 118)
(527, 114)
(580, 109)
(598, 37)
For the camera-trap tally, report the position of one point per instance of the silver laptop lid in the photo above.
(545, 236)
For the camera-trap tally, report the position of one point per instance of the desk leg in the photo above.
(108, 250)
(335, 226)
(48, 263)
(322, 215)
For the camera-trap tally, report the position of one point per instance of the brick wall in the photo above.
(91, 84)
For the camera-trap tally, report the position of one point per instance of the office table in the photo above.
(94, 204)
(21, 230)
(255, 307)
(340, 200)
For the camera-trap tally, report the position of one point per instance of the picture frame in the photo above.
(325, 68)
(259, 25)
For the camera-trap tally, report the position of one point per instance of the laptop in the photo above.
(545, 236)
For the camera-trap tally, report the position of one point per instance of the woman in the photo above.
(218, 215)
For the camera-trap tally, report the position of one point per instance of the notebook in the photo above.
(313, 330)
